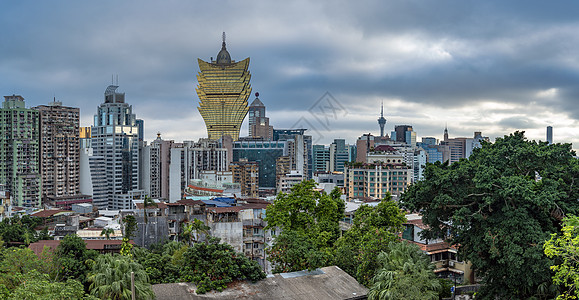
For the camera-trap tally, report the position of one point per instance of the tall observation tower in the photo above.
(382, 120)
(223, 91)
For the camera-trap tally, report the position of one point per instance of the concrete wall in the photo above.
(229, 232)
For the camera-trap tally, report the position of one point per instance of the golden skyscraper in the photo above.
(223, 91)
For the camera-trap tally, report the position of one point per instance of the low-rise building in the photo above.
(444, 256)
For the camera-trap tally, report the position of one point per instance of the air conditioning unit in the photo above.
(451, 263)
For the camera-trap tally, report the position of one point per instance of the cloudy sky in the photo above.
(490, 66)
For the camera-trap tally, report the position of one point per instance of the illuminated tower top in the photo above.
(382, 121)
(223, 89)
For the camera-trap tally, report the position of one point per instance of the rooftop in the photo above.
(325, 283)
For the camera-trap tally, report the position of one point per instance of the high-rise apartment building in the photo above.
(339, 155)
(299, 149)
(375, 180)
(246, 173)
(19, 152)
(363, 146)
(59, 150)
(155, 168)
(189, 159)
(550, 135)
(258, 123)
(223, 91)
(321, 158)
(115, 138)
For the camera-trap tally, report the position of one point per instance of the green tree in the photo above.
(16, 231)
(372, 230)
(498, 207)
(158, 263)
(565, 248)
(17, 261)
(110, 278)
(192, 230)
(129, 228)
(309, 215)
(107, 232)
(73, 258)
(295, 251)
(212, 265)
(405, 273)
(37, 286)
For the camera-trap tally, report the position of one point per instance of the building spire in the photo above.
(382, 109)
(382, 120)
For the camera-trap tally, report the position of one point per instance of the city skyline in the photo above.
(489, 67)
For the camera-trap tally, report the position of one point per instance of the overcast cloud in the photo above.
(490, 66)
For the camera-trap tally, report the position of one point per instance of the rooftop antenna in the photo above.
(112, 79)
(117, 79)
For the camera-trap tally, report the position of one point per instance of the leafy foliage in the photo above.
(565, 247)
(192, 230)
(211, 266)
(309, 221)
(294, 251)
(372, 230)
(23, 275)
(38, 286)
(110, 278)
(499, 206)
(107, 232)
(19, 230)
(129, 226)
(158, 263)
(73, 258)
(405, 273)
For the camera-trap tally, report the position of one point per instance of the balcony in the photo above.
(253, 223)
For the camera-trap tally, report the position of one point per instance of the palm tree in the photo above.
(405, 273)
(193, 230)
(110, 278)
(107, 232)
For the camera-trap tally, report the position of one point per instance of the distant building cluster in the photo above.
(107, 170)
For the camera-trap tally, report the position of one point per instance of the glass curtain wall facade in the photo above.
(223, 89)
(115, 137)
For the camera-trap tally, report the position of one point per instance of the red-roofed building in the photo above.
(102, 246)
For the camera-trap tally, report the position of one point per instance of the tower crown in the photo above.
(223, 58)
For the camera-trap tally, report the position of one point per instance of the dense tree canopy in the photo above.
(565, 248)
(405, 272)
(73, 258)
(309, 223)
(24, 275)
(372, 230)
(499, 207)
(212, 265)
(19, 230)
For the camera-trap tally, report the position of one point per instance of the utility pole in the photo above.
(133, 286)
